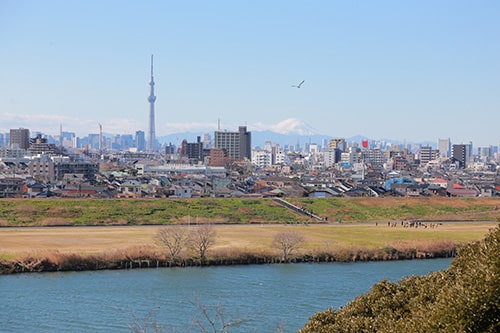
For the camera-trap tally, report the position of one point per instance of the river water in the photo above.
(265, 297)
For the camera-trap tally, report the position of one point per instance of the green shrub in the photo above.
(463, 298)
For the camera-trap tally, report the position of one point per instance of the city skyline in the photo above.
(295, 142)
(406, 71)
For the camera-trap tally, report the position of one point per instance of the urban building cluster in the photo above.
(226, 164)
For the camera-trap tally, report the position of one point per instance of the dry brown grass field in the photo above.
(18, 242)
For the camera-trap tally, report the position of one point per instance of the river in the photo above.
(264, 296)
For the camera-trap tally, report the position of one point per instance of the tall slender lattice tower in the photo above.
(151, 139)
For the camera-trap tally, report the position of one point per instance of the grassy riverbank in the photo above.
(65, 212)
(98, 234)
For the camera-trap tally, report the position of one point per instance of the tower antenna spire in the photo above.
(151, 66)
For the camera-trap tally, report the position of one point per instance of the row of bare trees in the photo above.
(176, 238)
(200, 238)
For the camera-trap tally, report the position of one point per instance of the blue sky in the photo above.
(403, 70)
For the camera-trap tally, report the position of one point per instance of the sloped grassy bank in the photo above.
(57, 212)
(80, 212)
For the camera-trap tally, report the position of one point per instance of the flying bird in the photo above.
(298, 85)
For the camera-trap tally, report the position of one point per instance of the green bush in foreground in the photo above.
(463, 298)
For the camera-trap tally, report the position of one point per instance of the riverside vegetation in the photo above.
(463, 298)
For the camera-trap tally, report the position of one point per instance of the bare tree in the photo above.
(145, 325)
(287, 242)
(207, 319)
(174, 238)
(214, 319)
(201, 238)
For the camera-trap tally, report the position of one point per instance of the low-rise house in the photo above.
(377, 191)
(79, 191)
(413, 190)
(130, 189)
(462, 192)
(408, 189)
(443, 183)
(486, 190)
(11, 186)
(436, 190)
(359, 191)
(179, 191)
(33, 190)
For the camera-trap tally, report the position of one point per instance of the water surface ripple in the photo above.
(266, 296)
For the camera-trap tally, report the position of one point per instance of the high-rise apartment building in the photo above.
(207, 141)
(140, 140)
(469, 153)
(40, 145)
(127, 141)
(218, 157)
(261, 158)
(192, 150)
(236, 144)
(332, 156)
(4, 139)
(94, 141)
(20, 138)
(374, 156)
(67, 139)
(485, 153)
(459, 154)
(444, 147)
(338, 143)
(427, 154)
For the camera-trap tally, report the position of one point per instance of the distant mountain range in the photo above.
(260, 137)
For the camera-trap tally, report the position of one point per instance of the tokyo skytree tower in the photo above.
(151, 138)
